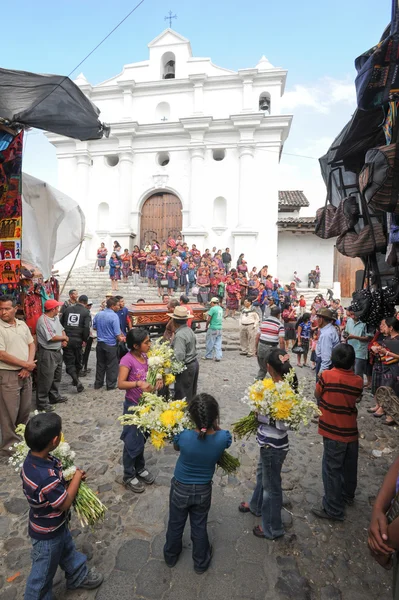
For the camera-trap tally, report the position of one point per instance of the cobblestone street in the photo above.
(315, 560)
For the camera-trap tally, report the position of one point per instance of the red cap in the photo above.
(50, 304)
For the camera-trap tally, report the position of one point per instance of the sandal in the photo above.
(258, 532)
(244, 509)
(389, 423)
(378, 416)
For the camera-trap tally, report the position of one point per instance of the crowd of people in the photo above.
(345, 354)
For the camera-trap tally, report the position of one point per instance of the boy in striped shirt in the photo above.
(337, 392)
(49, 501)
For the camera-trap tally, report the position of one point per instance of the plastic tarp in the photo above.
(49, 102)
(53, 224)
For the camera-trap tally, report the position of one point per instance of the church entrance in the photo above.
(161, 218)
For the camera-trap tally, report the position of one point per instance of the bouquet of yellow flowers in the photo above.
(162, 363)
(87, 505)
(162, 420)
(278, 401)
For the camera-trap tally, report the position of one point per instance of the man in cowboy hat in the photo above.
(184, 345)
(328, 339)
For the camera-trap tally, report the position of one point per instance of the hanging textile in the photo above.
(10, 215)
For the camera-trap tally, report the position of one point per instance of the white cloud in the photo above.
(322, 96)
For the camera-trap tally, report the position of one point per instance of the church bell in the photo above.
(264, 104)
(170, 70)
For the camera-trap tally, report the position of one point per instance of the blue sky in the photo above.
(316, 40)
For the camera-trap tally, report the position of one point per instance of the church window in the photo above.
(168, 66)
(219, 212)
(111, 160)
(265, 102)
(218, 154)
(103, 216)
(163, 158)
(162, 112)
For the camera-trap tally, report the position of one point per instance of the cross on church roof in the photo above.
(169, 18)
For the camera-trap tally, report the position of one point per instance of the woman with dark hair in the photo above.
(102, 256)
(191, 489)
(126, 260)
(132, 377)
(117, 248)
(272, 437)
(387, 371)
(114, 271)
(289, 317)
(303, 331)
(240, 259)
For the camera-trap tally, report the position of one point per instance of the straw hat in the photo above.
(326, 313)
(110, 294)
(215, 300)
(180, 312)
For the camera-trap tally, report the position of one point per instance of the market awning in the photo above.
(53, 224)
(49, 102)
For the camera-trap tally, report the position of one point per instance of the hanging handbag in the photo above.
(377, 82)
(378, 180)
(297, 349)
(370, 239)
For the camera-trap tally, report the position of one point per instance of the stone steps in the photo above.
(96, 284)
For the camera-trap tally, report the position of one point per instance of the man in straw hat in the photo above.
(184, 345)
(328, 339)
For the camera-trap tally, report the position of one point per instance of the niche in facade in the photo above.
(218, 154)
(265, 102)
(219, 212)
(163, 158)
(162, 112)
(168, 66)
(111, 160)
(103, 216)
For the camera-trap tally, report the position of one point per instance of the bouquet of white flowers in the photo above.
(278, 401)
(88, 507)
(162, 420)
(162, 363)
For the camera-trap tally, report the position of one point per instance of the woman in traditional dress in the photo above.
(151, 268)
(135, 265)
(142, 260)
(126, 260)
(102, 256)
(161, 274)
(232, 297)
(203, 282)
(114, 271)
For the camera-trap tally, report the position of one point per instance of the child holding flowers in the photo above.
(272, 437)
(50, 499)
(191, 489)
(133, 369)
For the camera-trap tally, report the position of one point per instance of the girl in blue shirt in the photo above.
(191, 488)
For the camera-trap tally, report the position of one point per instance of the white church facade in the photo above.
(194, 148)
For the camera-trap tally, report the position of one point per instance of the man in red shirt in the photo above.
(337, 392)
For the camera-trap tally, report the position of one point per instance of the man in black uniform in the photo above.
(76, 322)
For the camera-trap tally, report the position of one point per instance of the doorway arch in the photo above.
(161, 217)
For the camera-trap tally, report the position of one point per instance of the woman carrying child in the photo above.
(132, 377)
(272, 437)
(191, 488)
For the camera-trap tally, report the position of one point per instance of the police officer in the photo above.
(76, 322)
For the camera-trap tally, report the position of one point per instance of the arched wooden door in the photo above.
(161, 217)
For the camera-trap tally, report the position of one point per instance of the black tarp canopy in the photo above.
(49, 102)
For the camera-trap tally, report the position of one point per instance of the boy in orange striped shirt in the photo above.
(337, 392)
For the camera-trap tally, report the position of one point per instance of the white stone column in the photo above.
(248, 102)
(84, 164)
(246, 193)
(125, 167)
(198, 81)
(197, 155)
(127, 88)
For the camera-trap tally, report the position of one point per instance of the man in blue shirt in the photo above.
(328, 339)
(109, 333)
(356, 335)
(123, 314)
